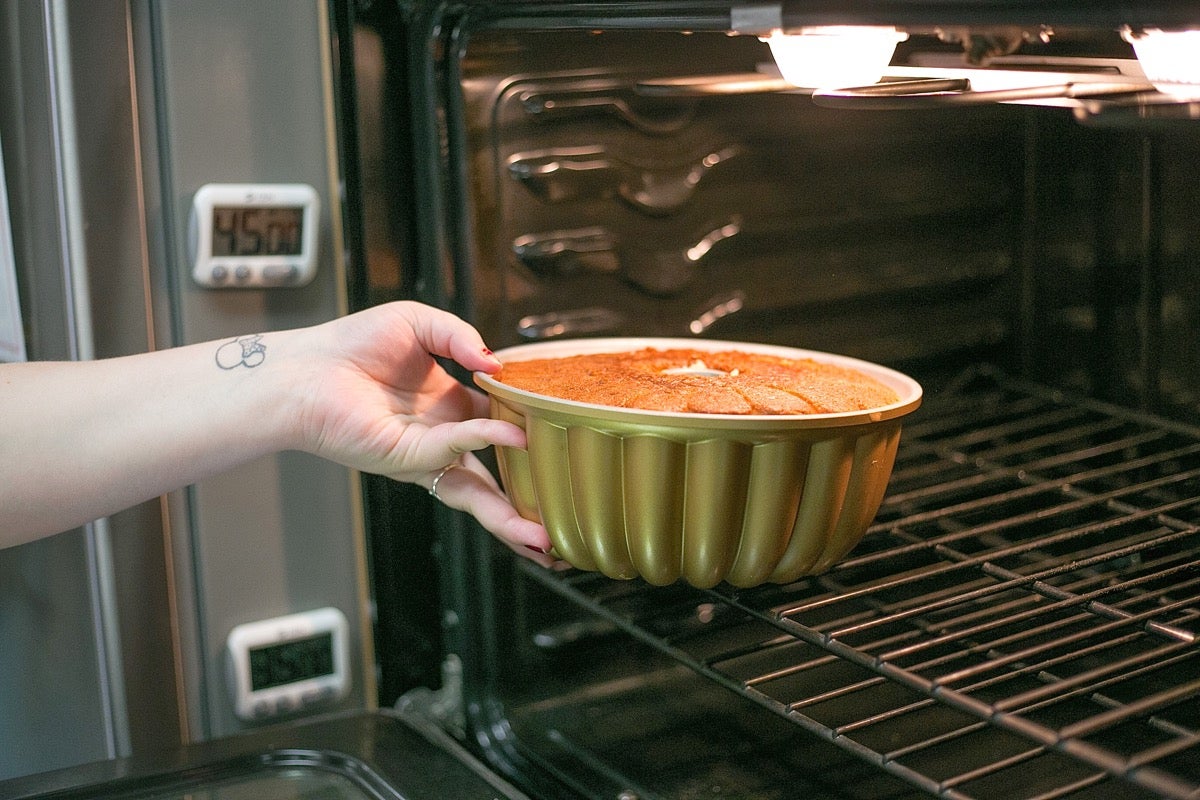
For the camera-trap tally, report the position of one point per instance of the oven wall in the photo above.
(1111, 245)
(599, 208)
(1056, 245)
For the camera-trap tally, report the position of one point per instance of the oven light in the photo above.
(1170, 59)
(832, 57)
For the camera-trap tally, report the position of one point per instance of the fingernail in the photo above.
(537, 549)
(487, 351)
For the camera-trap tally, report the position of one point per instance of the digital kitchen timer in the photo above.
(253, 235)
(288, 664)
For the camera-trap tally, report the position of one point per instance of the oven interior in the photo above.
(1020, 620)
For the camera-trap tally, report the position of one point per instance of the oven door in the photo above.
(359, 756)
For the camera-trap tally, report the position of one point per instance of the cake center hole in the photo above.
(697, 367)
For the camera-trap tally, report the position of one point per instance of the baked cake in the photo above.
(700, 381)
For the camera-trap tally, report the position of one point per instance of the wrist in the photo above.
(294, 388)
(269, 380)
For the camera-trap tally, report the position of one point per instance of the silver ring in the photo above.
(433, 486)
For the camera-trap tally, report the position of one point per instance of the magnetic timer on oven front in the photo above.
(253, 235)
(288, 664)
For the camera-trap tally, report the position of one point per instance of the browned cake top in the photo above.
(700, 381)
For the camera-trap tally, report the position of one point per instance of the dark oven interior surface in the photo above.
(1020, 620)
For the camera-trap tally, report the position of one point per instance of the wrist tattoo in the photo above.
(244, 351)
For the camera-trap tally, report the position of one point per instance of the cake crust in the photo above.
(700, 381)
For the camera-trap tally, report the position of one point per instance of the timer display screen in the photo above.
(257, 231)
(289, 662)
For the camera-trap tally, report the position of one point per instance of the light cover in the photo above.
(834, 57)
(1170, 59)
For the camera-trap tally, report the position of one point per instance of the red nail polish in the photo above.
(487, 351)
(537, 549)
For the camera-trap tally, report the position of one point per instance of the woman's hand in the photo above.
(379, 402)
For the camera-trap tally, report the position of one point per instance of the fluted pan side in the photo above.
(654, 506)
(720, 509)
(841, 494)
(775, 483)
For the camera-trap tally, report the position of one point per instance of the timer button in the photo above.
(314, 696)
(286, 705)
(242, 273)
(219, 273)
(280, 273)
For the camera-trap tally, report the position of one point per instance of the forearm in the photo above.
(79, 440)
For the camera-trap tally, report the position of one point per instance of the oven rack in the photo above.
(1020, 620)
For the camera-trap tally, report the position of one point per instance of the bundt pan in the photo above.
(746, 499)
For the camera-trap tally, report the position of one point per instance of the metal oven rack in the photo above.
(1020, 620)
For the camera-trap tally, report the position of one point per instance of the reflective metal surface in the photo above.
(346, 757)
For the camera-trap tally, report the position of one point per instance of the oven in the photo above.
(1004, 213)
(1002, 208)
